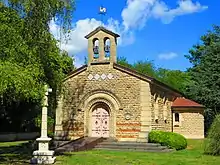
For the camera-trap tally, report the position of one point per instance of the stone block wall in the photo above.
(101, 36)
(161, 109)
(101, 78)
(191, 123)
(141, 106)
(127, 130)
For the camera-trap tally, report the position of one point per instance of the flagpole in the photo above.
(102, 12)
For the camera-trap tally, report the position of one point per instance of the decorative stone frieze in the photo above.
(102, 76)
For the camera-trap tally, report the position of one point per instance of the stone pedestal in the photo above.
(43, 155)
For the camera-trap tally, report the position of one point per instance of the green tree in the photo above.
(37, 15)
(212, 143)
(205, 72)
(19, 69)
(174, 78)
(67, 63)
(145, 67)
(123, 61)
(29, 56)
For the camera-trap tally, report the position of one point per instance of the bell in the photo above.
(96, 50)
(107, 48)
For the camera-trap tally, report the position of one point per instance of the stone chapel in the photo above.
(105, 99)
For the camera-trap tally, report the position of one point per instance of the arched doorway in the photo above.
(100, 99)
(100, 121)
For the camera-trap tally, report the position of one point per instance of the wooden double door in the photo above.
(100, 122)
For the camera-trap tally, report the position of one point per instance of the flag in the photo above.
(102, 10)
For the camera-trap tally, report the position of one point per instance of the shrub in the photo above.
(50, 134)
(169, 139)
(212, 143)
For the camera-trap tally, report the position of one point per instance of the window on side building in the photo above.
(177, 117)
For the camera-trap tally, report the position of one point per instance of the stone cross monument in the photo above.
(43, 155)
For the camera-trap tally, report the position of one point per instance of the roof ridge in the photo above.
(185, 102)
(154, 80)
(103, 29)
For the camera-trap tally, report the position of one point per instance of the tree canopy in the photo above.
(27, 44)
(19, 67)
(174, 78)
(205, 72)
(30, 57)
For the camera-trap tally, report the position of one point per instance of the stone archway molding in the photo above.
(94, 99)
(102, 94)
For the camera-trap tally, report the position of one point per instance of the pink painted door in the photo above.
(100, 123)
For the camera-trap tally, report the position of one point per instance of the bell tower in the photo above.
(102, 45)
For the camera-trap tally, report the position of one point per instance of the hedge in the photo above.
(212, 143)
(169, 139)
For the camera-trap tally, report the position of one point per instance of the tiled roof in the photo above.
(183, 102)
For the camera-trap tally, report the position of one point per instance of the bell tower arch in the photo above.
(102, 46)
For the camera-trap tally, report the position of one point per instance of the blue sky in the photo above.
(161, 31)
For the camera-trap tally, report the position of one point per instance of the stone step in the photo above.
(110, 140)
(81, 144)
(131, 147)
(130, 143)
(110, 144)
(137, 150)
(142, 140)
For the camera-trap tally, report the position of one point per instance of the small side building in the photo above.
(188, 118)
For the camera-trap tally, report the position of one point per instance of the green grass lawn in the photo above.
(15, 153)
(193, 155)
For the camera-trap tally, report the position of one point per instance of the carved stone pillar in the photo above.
(101, 50)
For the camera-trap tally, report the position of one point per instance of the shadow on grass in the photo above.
(21, 153)
(17, 154)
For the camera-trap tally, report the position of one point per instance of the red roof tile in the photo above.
(183, 102)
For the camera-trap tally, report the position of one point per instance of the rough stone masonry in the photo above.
(131, 104)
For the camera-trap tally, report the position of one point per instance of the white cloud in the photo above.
(75, 41)
(136, 13)
(162, 11)
(134, 16)
(78, 61)
(167, 56)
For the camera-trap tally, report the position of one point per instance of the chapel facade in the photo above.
(105, 99)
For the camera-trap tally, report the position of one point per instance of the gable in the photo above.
(130, 72)
(100, 28)
(76, 72)
(144, 77)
